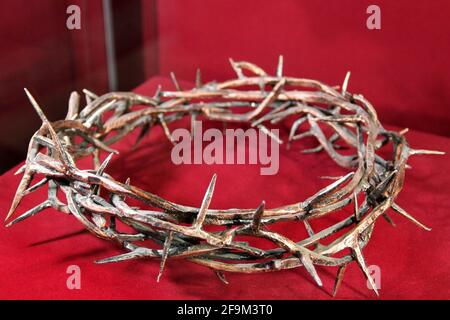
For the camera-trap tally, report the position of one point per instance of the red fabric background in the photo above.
(402, 68)
(414, 263)
(38, 52)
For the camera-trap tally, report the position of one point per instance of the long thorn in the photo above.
(104, 164)
(345, 83)
(205, 204)
(44, 205)
(270, 134)
(198, 78)
(23, 185)
(236, 69)
(121, 257)
(165, 254)
(308, 227)
(36, 186)
(388, 219)
(405, 214)
(221, 276)
(36, 106)
(355, 207)
(165, 128)
(403, 132)
(280, 66)
(339, 278)
(20, 170)
(362, 265)
(59, 148)
(157, 92)
(309, 266)
(175, 81)
(423, 151)
(257, 216)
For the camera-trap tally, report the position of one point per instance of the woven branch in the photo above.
(179, 229)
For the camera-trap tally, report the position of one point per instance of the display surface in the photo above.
(377, 179)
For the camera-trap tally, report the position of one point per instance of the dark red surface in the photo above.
(415, 264)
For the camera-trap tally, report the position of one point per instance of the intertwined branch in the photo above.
(179, 229)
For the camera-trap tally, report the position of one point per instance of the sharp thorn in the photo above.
(257, 216)
(59, 148)
(345, 83)
(422, 151)
(308, 228)
(165, 254)
(20, 170)
(36, 186)
(175, 81)
(331, 177)
(405, 214)
(205, 204)
(142, 133)
(295, 126)
(280, 66)
(309, 266)
(23, 185)
(403, 132)
(388, 219)
(339, 278)
(302, 135)
(165, 128)
(121, 257)
(193, 119)
(313, 150)
(104, 164)
(221, 276)
(74, 106)
(44, 205)
(270, 134)
(36, 106)
(90, 94)
(100, 171)
(236, 69)
(355, 207)
(198, 78)
(157, 92)
(362, 265)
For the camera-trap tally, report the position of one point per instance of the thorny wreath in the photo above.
(179, 229)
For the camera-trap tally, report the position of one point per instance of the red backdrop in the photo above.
(402, 68)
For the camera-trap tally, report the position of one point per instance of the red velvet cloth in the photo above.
(415, 264)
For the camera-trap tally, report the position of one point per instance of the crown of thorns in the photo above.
(179, 229)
